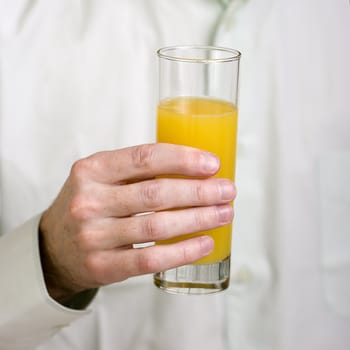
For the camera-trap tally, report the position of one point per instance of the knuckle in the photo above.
(151, 228)
(80, 168)
(192, 158)
(76, 208)
(150, 194)
(191, 252)
(147, 263)
(185, 255)
(96, 270)
(198, 191)
(81, 208)
(85, 167)
(142, 155)
(200, 220)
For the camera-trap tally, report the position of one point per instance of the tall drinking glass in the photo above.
(198, 107)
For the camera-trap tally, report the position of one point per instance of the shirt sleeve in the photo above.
(28, 315)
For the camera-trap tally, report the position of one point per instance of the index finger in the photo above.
(150, 160)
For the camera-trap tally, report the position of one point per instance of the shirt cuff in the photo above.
(28, 314)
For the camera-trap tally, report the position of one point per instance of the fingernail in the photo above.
(227, 190)
(210, 163)
(207, 245)
(225, 214)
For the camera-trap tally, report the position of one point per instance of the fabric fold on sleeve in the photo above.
(28, 314)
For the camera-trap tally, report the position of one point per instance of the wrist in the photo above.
(58, 285)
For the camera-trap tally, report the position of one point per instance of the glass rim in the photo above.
(233, 54)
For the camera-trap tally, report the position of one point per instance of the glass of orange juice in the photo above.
(198, 88)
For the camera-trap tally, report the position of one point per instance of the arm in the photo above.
(28, 314)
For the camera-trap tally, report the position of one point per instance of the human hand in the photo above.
(87, 234)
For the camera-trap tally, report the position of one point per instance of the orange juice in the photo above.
(211, 125)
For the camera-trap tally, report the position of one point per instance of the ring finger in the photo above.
(162, 225)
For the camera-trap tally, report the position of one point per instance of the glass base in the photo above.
(195, 279)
